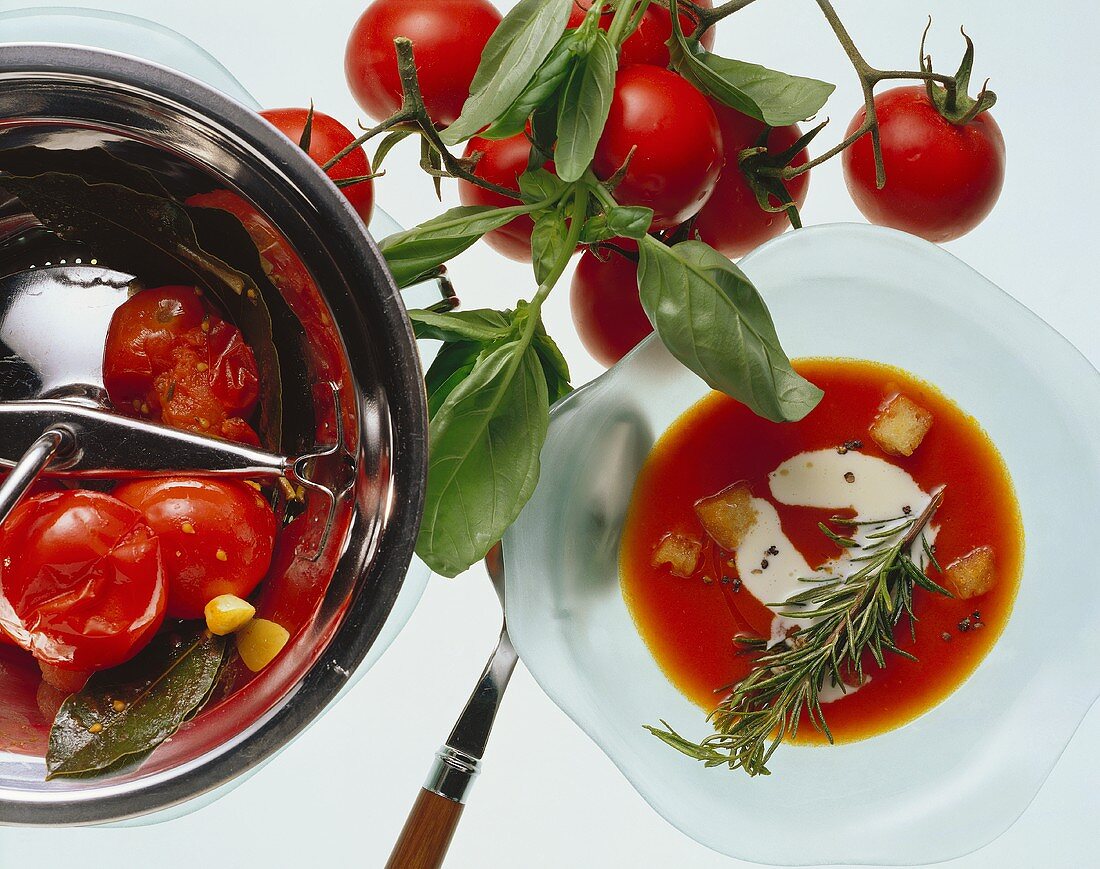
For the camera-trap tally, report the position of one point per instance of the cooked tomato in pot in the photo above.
(168, 356)
(82, 583)
(217, 535)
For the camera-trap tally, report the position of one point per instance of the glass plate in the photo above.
(958, 776)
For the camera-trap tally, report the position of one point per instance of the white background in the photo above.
(548, 797)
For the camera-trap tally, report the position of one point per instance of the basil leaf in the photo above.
(629, 221)
(510, 60)
(485, 441)
(584, 107)
(548, 243)
(423, 248)
(538, 184)
(539, 91)
(712, 319)
(160, 688)
(483, 324)
(554, 366)
(544, 133)
(451, 366)
(596, 230)
(776, 98)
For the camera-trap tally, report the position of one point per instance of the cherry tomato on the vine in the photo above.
(217, 537)
(733, 221)
(502, 162)
(82, 583)
(649, 43)
(942, 179)
(604, 301)
(676, 139)
(448, 37)
(328, 137)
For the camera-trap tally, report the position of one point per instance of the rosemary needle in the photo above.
(855, 618)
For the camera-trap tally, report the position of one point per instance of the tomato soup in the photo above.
(690, 624)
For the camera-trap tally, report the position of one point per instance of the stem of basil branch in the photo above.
(414, 112)
(577, 216)
(627, 17)
(637, 19)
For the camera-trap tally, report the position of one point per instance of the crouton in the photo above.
(972, 574)
(728, 516)
(680, 553)
(900, 426)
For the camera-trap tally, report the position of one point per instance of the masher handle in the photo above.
(22, 476)
(107, 445)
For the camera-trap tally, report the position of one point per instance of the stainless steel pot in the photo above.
(58, 103)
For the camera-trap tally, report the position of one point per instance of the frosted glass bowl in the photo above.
(958, 776)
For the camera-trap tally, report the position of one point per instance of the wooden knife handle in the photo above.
(427, 833)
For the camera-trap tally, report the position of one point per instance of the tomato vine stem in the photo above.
(413, 112)
(869, 78)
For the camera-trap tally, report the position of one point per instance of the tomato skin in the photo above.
(679, 144)
(502, 162)
(167, 357)
(142, 339)
(941, 179)
(66, 681)
(732, 221)
(82, 583)
(328, 137)
(604, 301)
(647, 44)
(448, 37)
(196, 519)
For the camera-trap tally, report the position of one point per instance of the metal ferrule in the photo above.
(452, 775)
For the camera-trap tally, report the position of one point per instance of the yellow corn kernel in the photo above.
(226, 613)
(259, 642)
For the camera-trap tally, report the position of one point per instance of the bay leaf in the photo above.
(133, 708)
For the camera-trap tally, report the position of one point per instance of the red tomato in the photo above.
(732, 221)
(66, 681)
(647, 44)
(41, 486)
(502, 162)
(679, 144)
(604, 300)
(217, 536)
(82, 583)
(448, 37)
(942, 179)
(328, 138)
(142, 338)
(167, 357)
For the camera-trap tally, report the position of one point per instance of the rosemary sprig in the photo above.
(855, 616)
